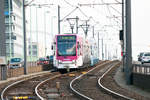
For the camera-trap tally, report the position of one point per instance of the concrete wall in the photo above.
(2, 30)
(142, 81)
(20, 71)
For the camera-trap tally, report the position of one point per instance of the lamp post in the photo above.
(30, 36)
(52, 18)
(45, 31)
(9, 25)
(98, 44)
(37, 34)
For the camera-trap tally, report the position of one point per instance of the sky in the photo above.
(140, 27)
(106, 19)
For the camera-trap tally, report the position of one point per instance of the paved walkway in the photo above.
(120, 79)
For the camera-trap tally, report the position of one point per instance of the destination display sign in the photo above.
(66, 38)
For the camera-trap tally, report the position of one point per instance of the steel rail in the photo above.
(17, 82)
(110, 91)
(36, 89)
(78, 93)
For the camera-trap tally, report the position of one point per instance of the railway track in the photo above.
(85, 86)
(30, 88)
(90, 84)
(25, 89)
(48, 89)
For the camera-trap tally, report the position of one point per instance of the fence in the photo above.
(32, 67)
(30, 64)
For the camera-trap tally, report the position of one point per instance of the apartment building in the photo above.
(13, 28)
(2, 33)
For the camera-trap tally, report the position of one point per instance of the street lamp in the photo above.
(45, 31)
(9, 25)
(37, 34)
(52, 18)
(40, 6)
(30, 37)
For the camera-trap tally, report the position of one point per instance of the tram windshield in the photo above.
(66, 45)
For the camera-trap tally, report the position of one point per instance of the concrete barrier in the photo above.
(141, 76)
(142, 81)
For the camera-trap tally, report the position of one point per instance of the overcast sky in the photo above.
(108, 25)
(140, 26)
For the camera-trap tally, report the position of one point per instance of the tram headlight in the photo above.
(74, 61)
(59, 61)
(20, 65)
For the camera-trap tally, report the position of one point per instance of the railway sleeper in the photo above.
(53, 95)
(90, 74)
(52, 90)
(20, 93)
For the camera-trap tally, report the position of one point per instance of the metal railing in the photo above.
(141, 69)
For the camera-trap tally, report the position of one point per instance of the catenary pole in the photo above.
(24, 34)
(128, 43)
(58, 19)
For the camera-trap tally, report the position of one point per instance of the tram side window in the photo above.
(79, 48)
(91, 50)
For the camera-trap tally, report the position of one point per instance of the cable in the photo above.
(83, 12)
(113, 8)
(29, 3)
(69, 13)
(69, 3)
(111, 13)
(117, 1)
(116, 10)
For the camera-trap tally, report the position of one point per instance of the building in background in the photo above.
(35, 51)
(2, 30)
(13, 28)
(32, 51)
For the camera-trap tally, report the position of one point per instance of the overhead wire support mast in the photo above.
(85, 28)
(72, 24)
(69, 13)
(60, 20)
